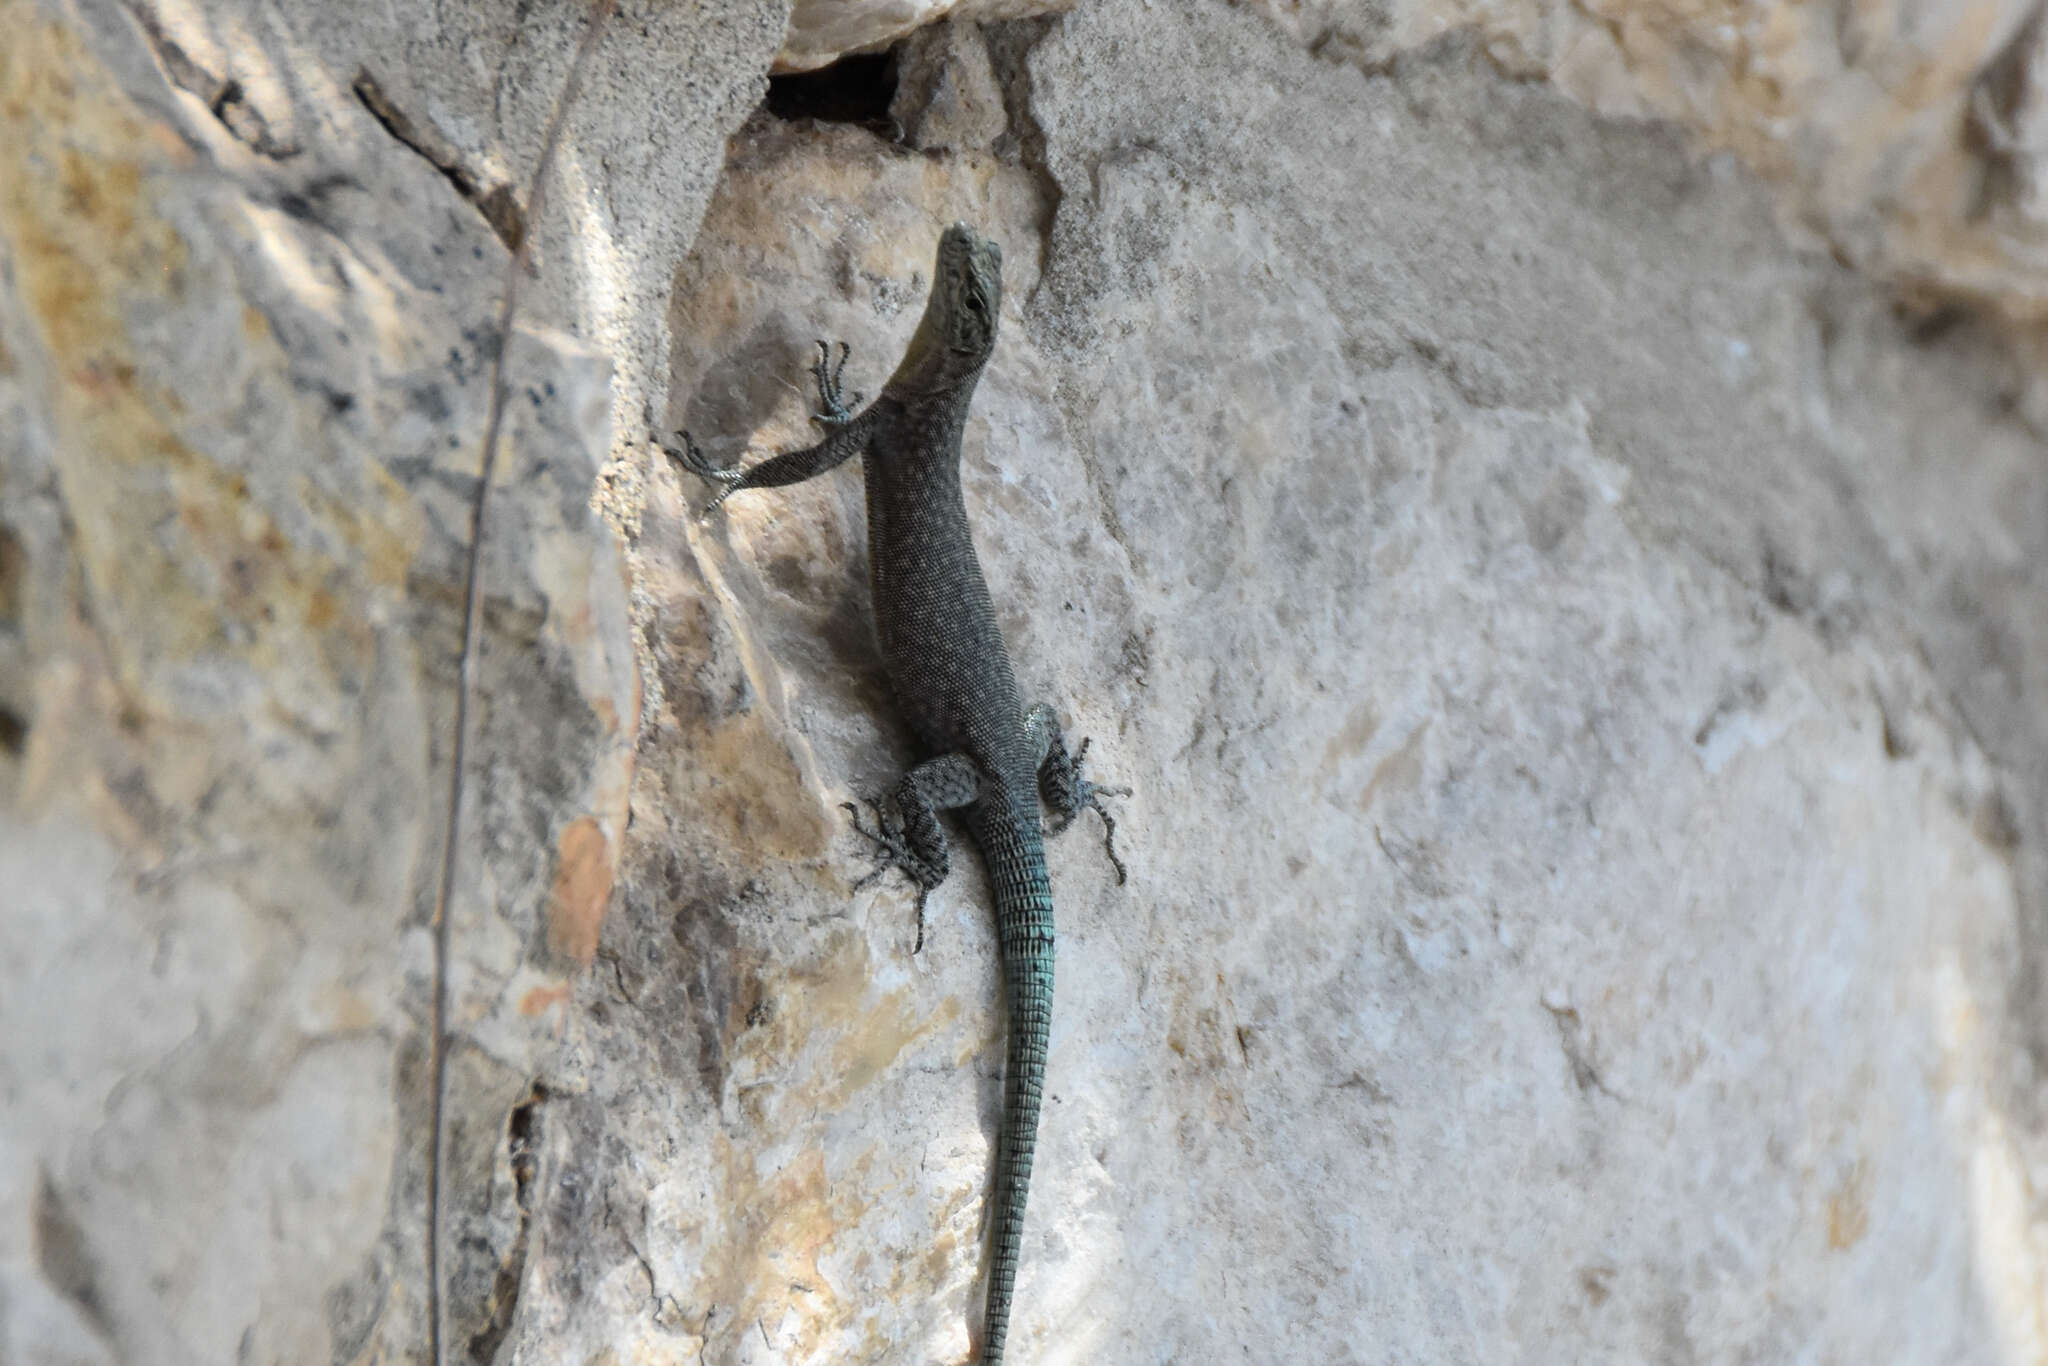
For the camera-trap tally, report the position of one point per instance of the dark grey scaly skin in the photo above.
(953, 682)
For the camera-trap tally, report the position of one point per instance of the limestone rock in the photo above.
(823, 31)
(1572, 916)
(1908, 137)
(248, 315)
(1577, 649)
(947, 94)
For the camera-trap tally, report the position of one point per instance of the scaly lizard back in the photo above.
(953, 681)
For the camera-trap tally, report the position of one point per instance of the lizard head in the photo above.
(967, 294)
(958, 330)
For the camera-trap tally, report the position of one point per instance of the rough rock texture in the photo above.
(249, 277)
(822, 31)
(1579, 655)
(1909, 136)
(1548, 621)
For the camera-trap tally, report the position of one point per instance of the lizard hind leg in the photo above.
(907, 834)
(1061, 785)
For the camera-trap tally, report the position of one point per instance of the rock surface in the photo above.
(249, 283)
(1909, 137)
(1577, 651)
(822, 31)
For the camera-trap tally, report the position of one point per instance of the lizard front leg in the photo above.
(849, 434)
(907, 833)
(1060, 784)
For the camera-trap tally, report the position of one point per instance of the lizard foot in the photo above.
(893, 850)
(838, 405)
(1069, 794)
(688, 456)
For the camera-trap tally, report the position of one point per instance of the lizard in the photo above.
(953, 681)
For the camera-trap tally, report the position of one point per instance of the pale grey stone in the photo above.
(823, 31)
(1578, 653)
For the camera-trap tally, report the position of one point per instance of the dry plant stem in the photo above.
(593, 29)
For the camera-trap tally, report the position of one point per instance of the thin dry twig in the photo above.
(593, 29)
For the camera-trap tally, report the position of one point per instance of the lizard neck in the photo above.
(931, 370)
(945, 356)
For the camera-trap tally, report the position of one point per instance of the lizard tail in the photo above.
(1024, 924)
(1028, 975)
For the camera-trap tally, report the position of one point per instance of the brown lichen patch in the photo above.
(1208, 1042)
(1400, 771)
(72, 194)
(385, 530)
(762, 799)
(1351, 738)
(181, 562)
(607, 715)
(830, 1037)
(1849, 1209)
(335, 1009)
(582, 888)
(890, 1027)
(540, 1000)
(14, 569)
(831, 1004)
(764, 1267)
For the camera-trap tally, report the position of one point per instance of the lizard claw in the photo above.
(690, 457)
(838, 406)
(1072, 794)
(892, 852)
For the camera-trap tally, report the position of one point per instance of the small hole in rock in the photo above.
(13, 732)
(854, 90)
